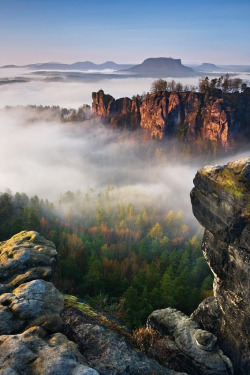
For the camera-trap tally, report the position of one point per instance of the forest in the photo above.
(124, 259)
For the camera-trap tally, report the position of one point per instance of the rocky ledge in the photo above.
(221, 203)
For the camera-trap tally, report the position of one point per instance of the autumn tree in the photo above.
(159, 85)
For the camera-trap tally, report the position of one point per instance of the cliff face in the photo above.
(221, 203)
(123, 112)
(219, 117)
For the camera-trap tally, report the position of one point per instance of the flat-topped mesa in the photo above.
(221, 203)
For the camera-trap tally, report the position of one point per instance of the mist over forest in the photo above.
(115, 202)
(42, 156)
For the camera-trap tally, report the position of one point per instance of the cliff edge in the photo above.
(221, 203)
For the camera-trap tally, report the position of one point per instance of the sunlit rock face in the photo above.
(123, 113)
(221, 203)
(154, 114)
(187, 115)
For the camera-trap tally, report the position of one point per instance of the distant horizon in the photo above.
(187, 62)
(124, 31)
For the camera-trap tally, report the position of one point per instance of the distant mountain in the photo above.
(9, 66)
(81, 65)
(207, 67)
(162, 67)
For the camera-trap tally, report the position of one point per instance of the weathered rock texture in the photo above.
(106, 350)
(33, 335)
(124, 112)
(189, 115)
(221, 203)
(192, 348)
(30, 308)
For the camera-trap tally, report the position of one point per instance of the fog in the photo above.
(69, 94)
(47, 158)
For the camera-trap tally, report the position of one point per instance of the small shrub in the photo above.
(145, 338)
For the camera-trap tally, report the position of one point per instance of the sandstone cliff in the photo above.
(221, 203)
(218, 118)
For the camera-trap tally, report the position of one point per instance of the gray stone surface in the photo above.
(24, 257)
(107, 351)
(35, 353)
(195, 349)
(30, 310)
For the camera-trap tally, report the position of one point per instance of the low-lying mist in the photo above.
(65, 93)
(48, 158)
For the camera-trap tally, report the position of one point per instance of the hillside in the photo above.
(162, 67)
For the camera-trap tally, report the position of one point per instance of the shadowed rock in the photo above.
(221, 203)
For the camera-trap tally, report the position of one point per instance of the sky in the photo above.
(216, 31)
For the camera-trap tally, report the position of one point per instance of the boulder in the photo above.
(194, 349)
(33, 352)
(24, 257)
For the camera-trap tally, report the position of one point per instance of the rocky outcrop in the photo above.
(30, 308)
(221, 203)
(218, 118)
(194, 349)
(106, 350)
(36, 352)
(123, 113)
(35, 324)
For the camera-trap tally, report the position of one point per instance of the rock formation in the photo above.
(189, 115)
(221, 203)
(195, 350)
(30, 308)
(106, 350)
(34, 322)
(123, 113)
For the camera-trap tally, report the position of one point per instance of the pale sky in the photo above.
(216, 31)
